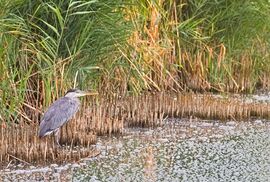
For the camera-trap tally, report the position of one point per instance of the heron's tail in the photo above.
(44, 129)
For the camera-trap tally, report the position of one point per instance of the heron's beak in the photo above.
(91, 93)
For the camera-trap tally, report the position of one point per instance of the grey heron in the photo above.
(60, 112)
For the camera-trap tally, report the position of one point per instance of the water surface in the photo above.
(184, 151)
(181, 150)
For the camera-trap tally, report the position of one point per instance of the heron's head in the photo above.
(78, 93)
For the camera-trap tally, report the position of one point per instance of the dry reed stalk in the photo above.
(101, 117)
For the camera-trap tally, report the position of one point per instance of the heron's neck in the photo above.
(71, 95)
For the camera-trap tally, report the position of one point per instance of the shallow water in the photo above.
(181, 150)
(186, 151)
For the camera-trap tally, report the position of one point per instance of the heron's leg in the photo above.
(57, 136)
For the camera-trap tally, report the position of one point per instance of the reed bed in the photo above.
(19, 142)
(127, 46)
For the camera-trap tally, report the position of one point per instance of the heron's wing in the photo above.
(57, 114)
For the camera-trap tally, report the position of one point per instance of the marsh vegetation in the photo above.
(143, 57)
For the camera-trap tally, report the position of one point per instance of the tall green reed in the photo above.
(128, 46)
(55, 45)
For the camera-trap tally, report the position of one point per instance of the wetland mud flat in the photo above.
(180, 150)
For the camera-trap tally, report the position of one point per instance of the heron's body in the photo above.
(60, 112)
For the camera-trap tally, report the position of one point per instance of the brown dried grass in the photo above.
(19, 142)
